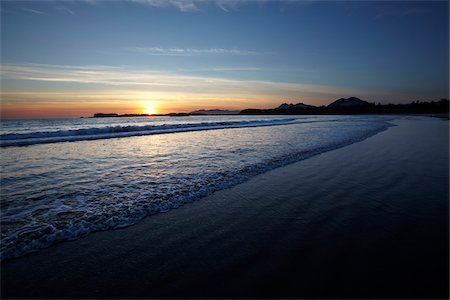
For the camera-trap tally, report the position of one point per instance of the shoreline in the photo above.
(271, 236)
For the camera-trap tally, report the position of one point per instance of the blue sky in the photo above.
(182, 55)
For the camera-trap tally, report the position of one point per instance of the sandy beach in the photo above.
(369, 220)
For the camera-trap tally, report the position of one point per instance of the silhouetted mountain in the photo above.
(346, 102)
(353, 105)
(343, 106)
(294, 106)
(214, 112)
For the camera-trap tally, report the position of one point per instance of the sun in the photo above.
(149, 108)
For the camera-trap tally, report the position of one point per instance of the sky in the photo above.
(76, 58)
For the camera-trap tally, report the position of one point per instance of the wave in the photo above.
(45, 137)
(79, 213)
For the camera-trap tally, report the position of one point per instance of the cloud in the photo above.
(67, 10)
(227, 69)
(190, 51)
(173, 91)
(93, 2)
(199, 5)
(34, 11)
(230, 5)
(166, 85)
(181, 5)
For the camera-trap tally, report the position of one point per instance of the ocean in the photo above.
(62, 179)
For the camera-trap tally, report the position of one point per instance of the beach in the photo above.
(368, 220)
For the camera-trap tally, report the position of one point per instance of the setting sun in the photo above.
(149, 108)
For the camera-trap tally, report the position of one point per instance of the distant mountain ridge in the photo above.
(291, 106)
(354, 105)
(342, 106)
(345, 102)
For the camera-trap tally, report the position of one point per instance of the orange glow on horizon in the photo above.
(149, 108)
(51, 104)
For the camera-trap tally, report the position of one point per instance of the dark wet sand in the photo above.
(369, 220)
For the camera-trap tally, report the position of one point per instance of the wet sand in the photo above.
(369, 220)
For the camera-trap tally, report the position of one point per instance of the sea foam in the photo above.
(44, 137)
(63, 192)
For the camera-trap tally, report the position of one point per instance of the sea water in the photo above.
(62, 179)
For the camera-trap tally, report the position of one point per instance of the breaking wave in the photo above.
(46, 200)
(44, 137)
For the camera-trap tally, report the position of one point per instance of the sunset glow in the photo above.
(149, 109)
(190, 57)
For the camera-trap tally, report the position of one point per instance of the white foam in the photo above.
(23, 139)
(30, 224)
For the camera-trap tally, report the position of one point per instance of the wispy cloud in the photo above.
(160, 84)
(34, 11)
(181, 5)
(111, 76)
(93, 2)
(199, 5)
(193, 5)
(105, 86)
(227, 69)
(233, 5)
(66, 10)
(190, 51)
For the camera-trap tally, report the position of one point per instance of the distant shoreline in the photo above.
(114, 115)
(343, 106)
(356, 106)
(444, 115)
